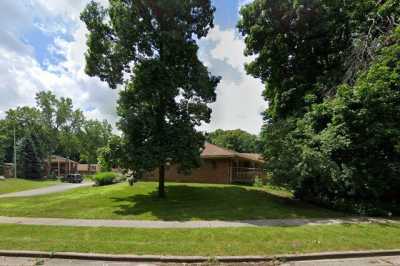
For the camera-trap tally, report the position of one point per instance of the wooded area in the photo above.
(52, 127)
(331, 71)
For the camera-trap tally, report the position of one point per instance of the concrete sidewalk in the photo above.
(187, 224)
(46, 190)
(373, 261)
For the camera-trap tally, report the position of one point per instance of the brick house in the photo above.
(88, 169)
(61, 166)
(219, 166)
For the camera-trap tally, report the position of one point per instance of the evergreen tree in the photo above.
(29, 158)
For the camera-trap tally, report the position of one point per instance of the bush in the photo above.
(258, 182)
(105, 178)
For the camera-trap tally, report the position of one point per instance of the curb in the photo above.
(198, 259)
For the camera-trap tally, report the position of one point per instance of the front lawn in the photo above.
(17, 184)
(183, 202)
(208, 242)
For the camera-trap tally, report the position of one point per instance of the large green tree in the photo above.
(350, 146)
(166, 95)
(330, 70)
(94, 135)
(57, 128)
(237, 140)
(298, 48)
(30, 157)
(30, 137)
(3, 144)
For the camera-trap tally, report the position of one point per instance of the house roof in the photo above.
(57, 158)
(252, 156)
(213, 151)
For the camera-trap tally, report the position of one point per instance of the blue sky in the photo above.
(42, 45)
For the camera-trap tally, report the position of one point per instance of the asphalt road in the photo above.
(46, 190)
(373, 261)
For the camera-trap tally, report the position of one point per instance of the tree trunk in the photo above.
(161, 181)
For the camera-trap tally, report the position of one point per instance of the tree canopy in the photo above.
(330, 70)
(237, 140)
(54, 126)
(165, 96)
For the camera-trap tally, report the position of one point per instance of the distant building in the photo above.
(88, 169)
(8, 170)
(60, 166)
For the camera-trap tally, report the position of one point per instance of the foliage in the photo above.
(3, 145)
(298, 48)
(360, 137)
(371, 22)
(237, 140)
(346, 149)
(304, 49)
(94, 135)
(57, 128)
(332, 128)
(105, 178)
(166, 95)
(110, 156)
(258, 182)
(104, 159)
(29, 159)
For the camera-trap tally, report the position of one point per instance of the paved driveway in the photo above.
(46, 190)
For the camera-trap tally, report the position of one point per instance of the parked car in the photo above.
(72, 178)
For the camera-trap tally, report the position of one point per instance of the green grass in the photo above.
(183, 202)
(17, 184)
(210, 242)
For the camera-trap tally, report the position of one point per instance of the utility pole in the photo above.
(15, 156)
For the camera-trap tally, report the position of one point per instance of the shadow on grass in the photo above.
(186, 202)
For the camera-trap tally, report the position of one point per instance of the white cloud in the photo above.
(22, 76)
(239, 102)
(70, 9)
(229, 47)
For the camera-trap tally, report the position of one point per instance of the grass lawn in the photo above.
(183, 202)
(210, 242)
(17, 184)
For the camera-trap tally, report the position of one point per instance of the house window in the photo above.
(214, 164)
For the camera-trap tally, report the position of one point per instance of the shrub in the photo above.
(105, 178)
(258, 182)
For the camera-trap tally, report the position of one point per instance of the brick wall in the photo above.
(211, 171)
